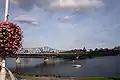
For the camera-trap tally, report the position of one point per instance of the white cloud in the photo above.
(75, 4)
(14, 2)
(65, 19)
(26, 19)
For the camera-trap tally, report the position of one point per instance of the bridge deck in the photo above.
(47, 55)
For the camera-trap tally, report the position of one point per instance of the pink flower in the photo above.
(13, 37)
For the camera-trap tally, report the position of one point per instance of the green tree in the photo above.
(90, 50)
(96, 49)
(84, 49)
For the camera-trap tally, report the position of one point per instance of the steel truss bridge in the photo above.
(38, 50)
(43, 52)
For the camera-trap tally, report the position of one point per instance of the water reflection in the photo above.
(45, 66)
(26, 60)
(18, 68)
(104, 66)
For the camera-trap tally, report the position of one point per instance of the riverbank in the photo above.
(61, 78)
(53, 78)
(34, 77)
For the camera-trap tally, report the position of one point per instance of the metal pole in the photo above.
(6, 10)
(3, 71)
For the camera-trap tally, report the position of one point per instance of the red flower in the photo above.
(13, 37)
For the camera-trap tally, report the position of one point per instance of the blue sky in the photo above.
(66, 24)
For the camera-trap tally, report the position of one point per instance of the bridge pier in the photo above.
(18, 64)
(18, 61)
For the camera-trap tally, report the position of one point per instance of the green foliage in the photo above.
(91, 53)
(38, 77)
(98, 78)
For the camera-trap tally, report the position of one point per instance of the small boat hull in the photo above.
(77, 66)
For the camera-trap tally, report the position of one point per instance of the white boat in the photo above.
(45, 60)
(77, 66)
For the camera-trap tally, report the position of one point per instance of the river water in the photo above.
(96, 67)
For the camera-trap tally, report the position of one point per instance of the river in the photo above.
(96, 67)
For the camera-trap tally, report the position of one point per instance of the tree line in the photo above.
(96, 52)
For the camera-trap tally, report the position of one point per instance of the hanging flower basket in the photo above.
(10, 38)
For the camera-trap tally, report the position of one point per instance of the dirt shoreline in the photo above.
(65, 78)
(38, 77)
(27, 77)
(47, 78)
(54, 78)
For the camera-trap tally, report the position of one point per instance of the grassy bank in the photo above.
(33, 77)
(55, 78)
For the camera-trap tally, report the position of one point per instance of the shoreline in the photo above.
(68, 78)
(34, 77)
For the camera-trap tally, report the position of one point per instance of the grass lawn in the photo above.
(33, 77)
(98, 78)
(60, 78)
(53, 78)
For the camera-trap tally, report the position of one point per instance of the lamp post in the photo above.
(3, 71)
(6, 10)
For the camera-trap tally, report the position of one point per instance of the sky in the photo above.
(66, 24)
